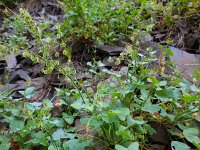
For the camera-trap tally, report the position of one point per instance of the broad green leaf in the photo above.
(16, 125)
(69, 119)
(58, 134)
(150, 130)
(134, 146)
(38, 138)
(132, 121)
(59, 122)
(129, 89)
(120, 112)
(16, 111)
(28, 93)
(169, 52)
(191, 134)
(124, 132)
(198, 118)
(163, 83)
(176, 145)
(165, 114)
(165, 94)
(193, 108)
(112, 113)
(120, 147)
(75, 144)
(4, 142)
(151, 108)
(33, 106)
(91, 121)
(5, 146)
(89, 107)
(78, 105)
(3, 138)
(124, 112)
(83, 145)
(144, 93)
(48, 104)
(31, 124)
(153, 80)
(188, 98)
(51, 147)
(71, 135)
(181, 126)
(108, 118)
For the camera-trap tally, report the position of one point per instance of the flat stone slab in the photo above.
(111, 50)
(11, 61)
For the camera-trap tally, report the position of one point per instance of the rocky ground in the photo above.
(17, 72)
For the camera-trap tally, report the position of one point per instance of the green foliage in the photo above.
(132, 146)
(9, 3)
(26, 33)
(178, 145)
(119, 113)
(32, 124)
(100, 21)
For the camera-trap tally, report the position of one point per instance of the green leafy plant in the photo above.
(118, 113)
(31, 124)
(9, 3)
(114, 23)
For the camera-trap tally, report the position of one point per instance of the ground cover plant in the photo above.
(9, 3)
(140, 103)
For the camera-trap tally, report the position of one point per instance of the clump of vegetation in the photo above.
(9, 3)
(115, 115)
(119, 114)
(84, 20)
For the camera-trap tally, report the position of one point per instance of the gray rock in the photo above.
(18, 74)
(110, 50)
(11, 61)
